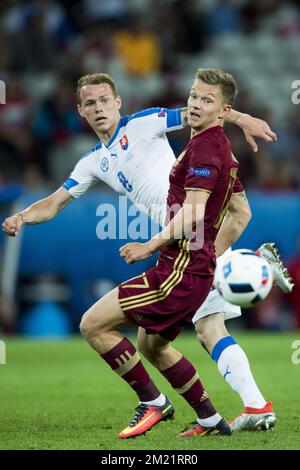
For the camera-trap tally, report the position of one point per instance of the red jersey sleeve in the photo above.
(203, 166)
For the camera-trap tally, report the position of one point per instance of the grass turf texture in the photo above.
(59, 395)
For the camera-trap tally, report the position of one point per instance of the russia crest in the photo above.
(124, 142)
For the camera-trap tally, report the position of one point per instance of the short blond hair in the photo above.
(96, 79)
(226, 81)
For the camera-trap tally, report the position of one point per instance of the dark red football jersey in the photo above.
(238, 186)
(208, 165)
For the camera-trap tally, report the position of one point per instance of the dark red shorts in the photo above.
(163, 301)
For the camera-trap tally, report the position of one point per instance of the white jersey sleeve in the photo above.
(154, 122)
(82, 177)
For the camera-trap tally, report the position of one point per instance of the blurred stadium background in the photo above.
(54, 272)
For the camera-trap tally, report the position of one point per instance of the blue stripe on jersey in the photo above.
(123, 121)
(146, 112)
(69, 184)
(97, 147)
(173, 117)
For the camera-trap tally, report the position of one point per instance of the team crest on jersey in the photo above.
(162, 113)
(124, 142)
(104, 164)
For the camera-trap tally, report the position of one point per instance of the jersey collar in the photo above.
(122, 123)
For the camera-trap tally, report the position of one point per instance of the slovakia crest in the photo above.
(124, 142)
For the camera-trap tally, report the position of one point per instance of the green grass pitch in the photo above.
(60, 395)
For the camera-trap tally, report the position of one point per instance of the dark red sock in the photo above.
(184, 379)
(125, 361)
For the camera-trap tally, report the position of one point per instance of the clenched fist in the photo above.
(12, 225)
(133, 252)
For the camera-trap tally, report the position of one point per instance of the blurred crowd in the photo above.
(151, 48)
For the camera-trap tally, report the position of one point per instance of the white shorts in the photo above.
(214, 303)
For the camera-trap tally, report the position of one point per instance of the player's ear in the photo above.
(79, 109)
(119, 102)
(226, 110)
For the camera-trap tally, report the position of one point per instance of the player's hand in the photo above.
(254, 127)
(133, 252)
(12, 225)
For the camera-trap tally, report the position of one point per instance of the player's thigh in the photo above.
(106, 314)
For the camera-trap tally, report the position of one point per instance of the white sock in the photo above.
(159, 401)
(234, 366)
(211, 421)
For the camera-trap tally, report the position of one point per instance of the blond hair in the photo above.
(226, 81)
(96, 79)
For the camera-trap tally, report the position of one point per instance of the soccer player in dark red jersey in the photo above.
(164, 299)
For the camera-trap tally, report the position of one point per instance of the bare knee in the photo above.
(200, 330)
(149, 352)
(210, 330)
(90, 329)
(203, 331)
(85, 326)
(153, 353)
(145, 344)
(203, 335)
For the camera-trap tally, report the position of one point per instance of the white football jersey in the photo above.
(136, 162)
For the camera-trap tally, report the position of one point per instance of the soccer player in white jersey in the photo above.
(134, 157)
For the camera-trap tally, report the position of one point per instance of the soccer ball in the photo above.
(243, 278)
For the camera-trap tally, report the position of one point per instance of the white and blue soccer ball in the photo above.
(243, 278)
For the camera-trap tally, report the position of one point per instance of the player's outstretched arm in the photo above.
(39, 212)
(191, 213)
(252, 127)
(235, 222)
